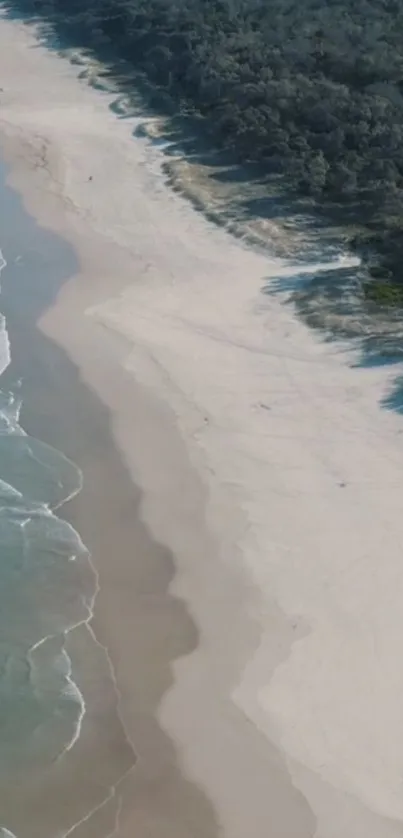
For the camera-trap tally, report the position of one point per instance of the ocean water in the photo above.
(47, 587)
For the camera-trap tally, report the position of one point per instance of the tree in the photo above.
(311, 89)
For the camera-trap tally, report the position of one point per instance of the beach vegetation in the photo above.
(311, 89)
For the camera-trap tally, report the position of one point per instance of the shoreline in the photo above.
(260, 626)
(85, 657)
(50, 379)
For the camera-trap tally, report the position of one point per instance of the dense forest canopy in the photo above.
(311, 88)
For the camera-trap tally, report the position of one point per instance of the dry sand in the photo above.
(268, 470)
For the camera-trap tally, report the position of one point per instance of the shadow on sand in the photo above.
(332, 302)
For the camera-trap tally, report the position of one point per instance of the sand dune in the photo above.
(267, 465)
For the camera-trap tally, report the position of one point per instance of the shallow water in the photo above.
(47, 587)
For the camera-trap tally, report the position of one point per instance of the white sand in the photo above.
(297, 587)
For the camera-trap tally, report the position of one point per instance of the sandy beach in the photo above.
(241, 502)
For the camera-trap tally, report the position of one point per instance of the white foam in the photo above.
(4, 340)
(10, 416)
(70, 689)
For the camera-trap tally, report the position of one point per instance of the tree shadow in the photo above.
(394, 399)
(380, 350)
(335, 283)
(332, 302)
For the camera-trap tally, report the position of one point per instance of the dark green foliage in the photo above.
(312, 89)
(384, 292)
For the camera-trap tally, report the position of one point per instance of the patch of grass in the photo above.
(384, 292)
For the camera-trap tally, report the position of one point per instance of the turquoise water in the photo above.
(47, 587)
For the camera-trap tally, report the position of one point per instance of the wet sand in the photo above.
(136, 617)
(154, 626)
